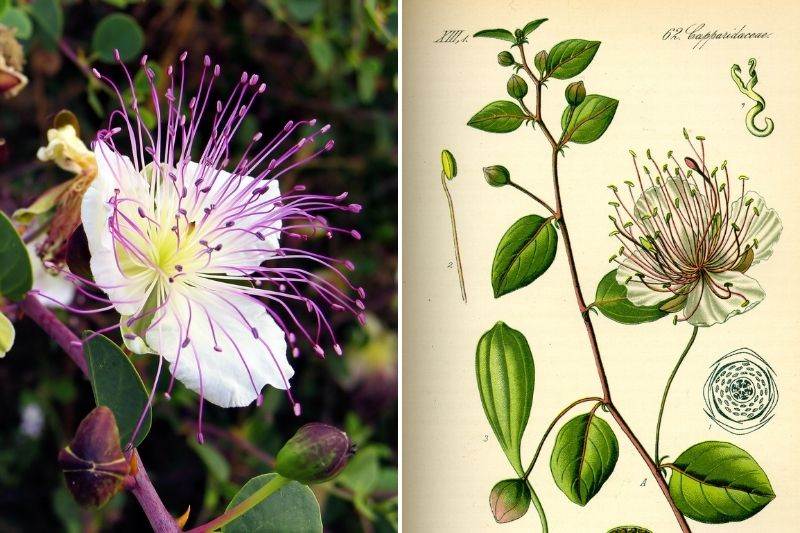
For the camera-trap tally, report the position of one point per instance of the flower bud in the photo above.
(516, 86)
(509, 500)
(12, 80)
(540, 60)
(496, 175)
(316, 453)
(575, 93)
(505, 58)
(519, 35)
(449, 166)
(93, 464)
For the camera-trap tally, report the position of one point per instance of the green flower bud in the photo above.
(540, 61)
(509, 500)
(496, 175)
(505, 58)
(519, 35)
(516, 86)
(449, 166)
(316, 453)
(575, 93)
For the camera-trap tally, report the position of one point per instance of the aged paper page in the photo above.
(451, 456)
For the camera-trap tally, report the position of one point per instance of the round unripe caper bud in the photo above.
(516, 86)
(496, 175)
(575, 93)
(505, 58)
(316, 453)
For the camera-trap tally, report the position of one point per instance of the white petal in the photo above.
(127, 291)
(765, 228)
(641, 293)
(51, 285)
(705, 308)
(234, 376)
(240, 249)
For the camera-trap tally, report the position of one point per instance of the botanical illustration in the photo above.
(449, 171)
(195, 335)
(688, 237)
(748, 89)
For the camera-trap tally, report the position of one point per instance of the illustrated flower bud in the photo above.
(575, 93)
(496, 175)
(516, 86)
(540, 60)
(509, 500)
(93, 464)
(505, 58)
(449, 166)
(316, 453)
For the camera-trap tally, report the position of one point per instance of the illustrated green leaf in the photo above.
(292, 509)
(117, 32)
(16, 18)
(505, 373)
(629, 529)
(532, 25)
(7, 335)
(590, 119)
(49, 16)
(524, 253)
(501, 116)
(584, 456)
(16, 275)
(716, 482)
(611, 299)
(117, 385)
(503, 35)
(569, 58)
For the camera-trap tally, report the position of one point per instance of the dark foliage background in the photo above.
(334, 60)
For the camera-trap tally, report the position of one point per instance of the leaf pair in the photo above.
(515, 38)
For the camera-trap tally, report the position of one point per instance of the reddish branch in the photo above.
(587, 320)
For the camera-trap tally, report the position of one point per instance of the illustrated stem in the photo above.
(455, 238)
(160, 519)
(689, 344)
(538, 504)
(273, 486)
(552, 425)
(525, 191)
(587, 320)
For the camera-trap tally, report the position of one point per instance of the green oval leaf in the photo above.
(503, 35)
(584, 455)
(117, 385)
(569, 58)
(501, 116)
(611, 299)
(532, 25)
(505, 373)
(49, 16)
(292, 509)
(629, 529)
(16, 275)
(117, 31)
(716, 482)
(16, 18)
(590, 119)
(524, 253)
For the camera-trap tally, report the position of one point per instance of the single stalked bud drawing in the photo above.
(496, 175)
(575, 93)
(316, 453)
(540, 60)
(93, 464)
(516, 86)
(509, 500)
(505, 58)
(449, 166)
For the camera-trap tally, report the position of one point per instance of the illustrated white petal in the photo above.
(222, 358)
(641, 292)
(720, 296)
(762, 230)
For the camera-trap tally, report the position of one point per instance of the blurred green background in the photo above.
(334, 60)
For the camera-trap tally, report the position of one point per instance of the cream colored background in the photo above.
(451, 459)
